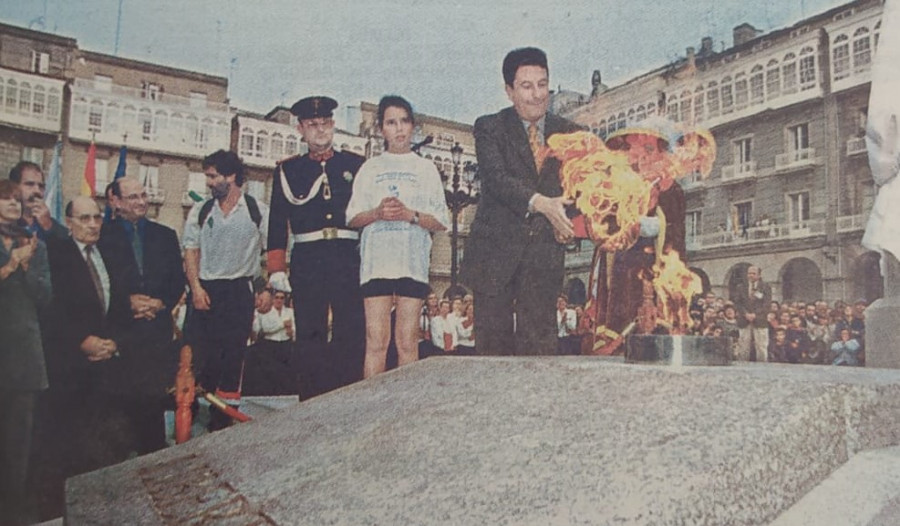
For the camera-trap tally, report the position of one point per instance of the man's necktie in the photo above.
(138, 247)
(95, 276)
(536, 146)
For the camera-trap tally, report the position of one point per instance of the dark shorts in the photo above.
(404, 287)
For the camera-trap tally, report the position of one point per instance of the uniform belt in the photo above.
(325, 233)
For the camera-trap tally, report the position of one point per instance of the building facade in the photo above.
(790, 190)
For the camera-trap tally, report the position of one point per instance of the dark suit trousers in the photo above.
(325, 275)
(534, 292)
(221, 333)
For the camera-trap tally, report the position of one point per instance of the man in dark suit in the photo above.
(80, 429)
(514, 254)
(752, 303)
(153, 255)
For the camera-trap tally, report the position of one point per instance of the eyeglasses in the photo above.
(87, 218)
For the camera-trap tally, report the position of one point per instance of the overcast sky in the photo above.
(444, 56)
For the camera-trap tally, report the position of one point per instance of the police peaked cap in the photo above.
(314, 107)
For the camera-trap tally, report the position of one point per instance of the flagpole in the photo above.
(118, 28)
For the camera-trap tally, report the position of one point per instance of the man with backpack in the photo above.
(223, 239)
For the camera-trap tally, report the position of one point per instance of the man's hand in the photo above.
(553, 208)
(200, 298)
(279, 281)
(98, 349)
(145, 307)
(750, 316)
(41, 214)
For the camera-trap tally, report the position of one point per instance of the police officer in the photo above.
(310, 194)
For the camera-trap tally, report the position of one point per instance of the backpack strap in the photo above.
(204, 212)
(252, 208)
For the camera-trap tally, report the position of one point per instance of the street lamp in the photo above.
(458, 198)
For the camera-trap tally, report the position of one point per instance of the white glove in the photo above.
(649, 226)
(279, 281)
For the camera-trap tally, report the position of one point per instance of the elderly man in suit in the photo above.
(514, 254)
(752, 303)
(81, 427)
(151, 252)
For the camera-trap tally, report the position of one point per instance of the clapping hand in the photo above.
(22, 255)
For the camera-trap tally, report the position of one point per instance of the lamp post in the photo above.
(457, 199)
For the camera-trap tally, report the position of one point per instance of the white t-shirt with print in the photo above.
(397, 249)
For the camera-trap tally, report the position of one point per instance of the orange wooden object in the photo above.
(185, 392)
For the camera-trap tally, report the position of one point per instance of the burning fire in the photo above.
(615, 184)
(606, 190)
(674, 285)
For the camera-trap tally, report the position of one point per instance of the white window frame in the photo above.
(40, 61)
(798, 209)
(101, 176)
(32, 154)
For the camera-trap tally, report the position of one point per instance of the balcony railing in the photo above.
(851, 223)
(856, 145)
(795, 159)
(31, 101)
(734, 172)
(161, 98)
(167, 125)
(757, 234)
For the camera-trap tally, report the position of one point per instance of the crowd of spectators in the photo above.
(812, 332)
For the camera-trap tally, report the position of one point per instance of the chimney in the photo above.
(706, 46)
(689, 52)
(744, 33)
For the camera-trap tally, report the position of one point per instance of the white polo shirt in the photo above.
(230, 246)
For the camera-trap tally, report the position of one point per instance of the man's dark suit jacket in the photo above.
(502, 228)
(152, 363)
(758, 303)
(76, 313)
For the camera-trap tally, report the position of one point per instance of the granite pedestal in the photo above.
(524, 441)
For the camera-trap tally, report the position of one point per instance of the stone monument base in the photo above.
(882, 336)
(677, 350)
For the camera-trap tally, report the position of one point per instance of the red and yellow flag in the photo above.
(89, 182)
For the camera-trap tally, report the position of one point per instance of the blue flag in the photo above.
(53, 196)
(120, 172)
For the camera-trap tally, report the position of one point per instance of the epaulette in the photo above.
(286, 159)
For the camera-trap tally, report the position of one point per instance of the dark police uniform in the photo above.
(311, 196)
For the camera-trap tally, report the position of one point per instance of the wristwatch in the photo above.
(415, 218)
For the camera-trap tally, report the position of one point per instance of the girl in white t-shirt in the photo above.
(398, 201)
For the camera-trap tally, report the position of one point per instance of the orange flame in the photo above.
(674, 285)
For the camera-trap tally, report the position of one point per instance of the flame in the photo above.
(674, 285)
(616, 183)
(604, 186)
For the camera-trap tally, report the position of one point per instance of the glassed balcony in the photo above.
(166, 124)
(31, 101)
